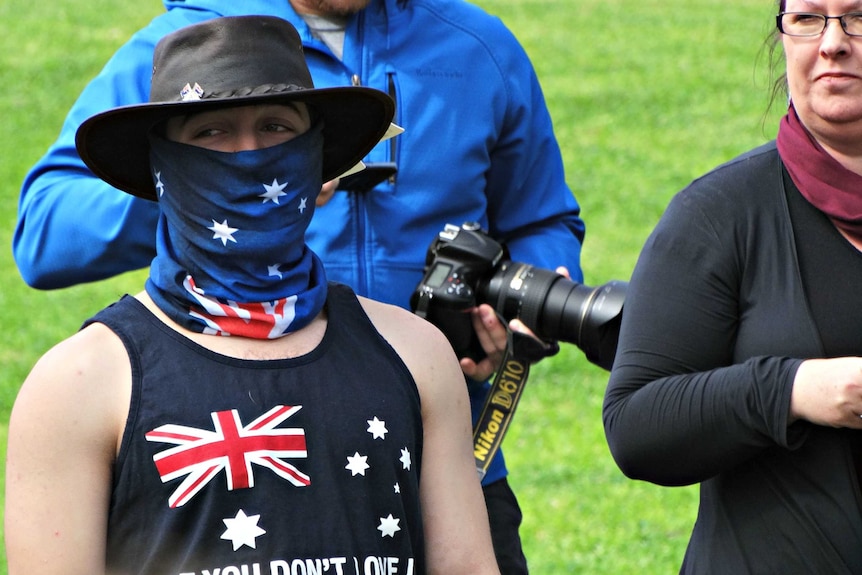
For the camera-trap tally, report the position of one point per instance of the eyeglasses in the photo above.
(808, 24)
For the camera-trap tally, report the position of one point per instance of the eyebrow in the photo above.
(817, 5)
(293, 105)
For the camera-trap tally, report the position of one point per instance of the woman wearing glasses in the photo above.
(739, 364)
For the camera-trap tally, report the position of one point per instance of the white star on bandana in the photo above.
(274, 271)
(273, 191)
(223, 232)
(160, 186)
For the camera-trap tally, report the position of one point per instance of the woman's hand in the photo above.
(828, 392)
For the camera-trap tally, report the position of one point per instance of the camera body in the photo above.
(456, 262)
(465, 267)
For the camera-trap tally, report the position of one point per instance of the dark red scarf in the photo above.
(826, 184)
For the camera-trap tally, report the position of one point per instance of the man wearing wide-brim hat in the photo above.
(242, 413)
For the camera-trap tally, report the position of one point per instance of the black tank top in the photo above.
(241, 467)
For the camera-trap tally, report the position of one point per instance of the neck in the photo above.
(841, 140)
(824, 175)
(292, 345)
(852, 240)
(848, 156)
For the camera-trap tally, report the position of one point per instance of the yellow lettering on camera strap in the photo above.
(498, 410)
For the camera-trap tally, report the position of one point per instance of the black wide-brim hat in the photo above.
(224, 62)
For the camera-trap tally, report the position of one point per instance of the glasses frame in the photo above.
(825, 18)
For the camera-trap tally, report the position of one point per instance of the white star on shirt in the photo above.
(302, 205)
(388, 526)
(274, 271)
(223, 232)
(357, 464)
(405, 458)
(159, 185)
(397, 488)
(273, 191)
(377, 428)
(242, 530)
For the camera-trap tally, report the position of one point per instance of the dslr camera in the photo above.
(465, 267)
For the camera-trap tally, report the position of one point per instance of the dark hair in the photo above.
(775, 62)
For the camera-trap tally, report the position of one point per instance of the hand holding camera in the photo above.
(465, 267)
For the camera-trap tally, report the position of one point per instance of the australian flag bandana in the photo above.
(231, 257)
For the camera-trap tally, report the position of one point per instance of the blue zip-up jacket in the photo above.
(478, 146)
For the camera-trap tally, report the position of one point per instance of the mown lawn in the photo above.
(645, 96)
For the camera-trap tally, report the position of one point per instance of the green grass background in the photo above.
(645, 96)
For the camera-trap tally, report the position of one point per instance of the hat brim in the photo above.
(114, 144)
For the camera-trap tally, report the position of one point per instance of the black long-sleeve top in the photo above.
(732, 290)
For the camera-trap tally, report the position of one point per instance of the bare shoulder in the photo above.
(88, 371)
(422, 347)
(396, 324)
(91, 352)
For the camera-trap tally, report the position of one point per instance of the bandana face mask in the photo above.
(231, 257)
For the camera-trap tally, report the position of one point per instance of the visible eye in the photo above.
(207, 133)
(277, 127)
(804, 18)
(282, 118)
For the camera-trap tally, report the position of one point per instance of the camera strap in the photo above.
(498, 410)
(505, 392)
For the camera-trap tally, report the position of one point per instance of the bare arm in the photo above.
(63, 437)
(457, 534)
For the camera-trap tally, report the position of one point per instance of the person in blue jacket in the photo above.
(478, 146)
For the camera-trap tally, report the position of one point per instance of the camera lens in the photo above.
(557, 308)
